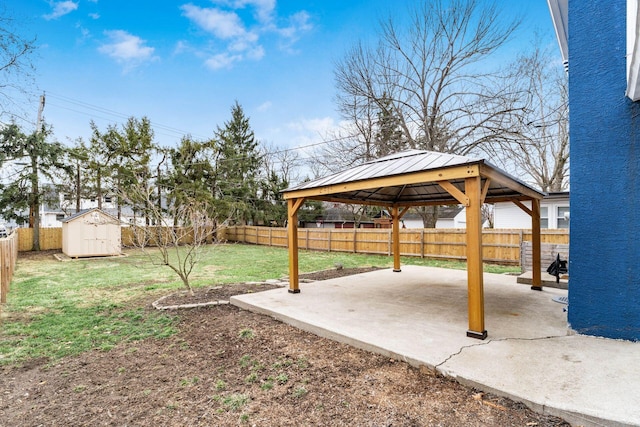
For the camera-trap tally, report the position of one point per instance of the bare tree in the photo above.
(16, 68)
(433, 74)
(178, 247)
(283, 162)
(431, 79)
(541, 151)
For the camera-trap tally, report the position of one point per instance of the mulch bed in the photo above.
(230, 367)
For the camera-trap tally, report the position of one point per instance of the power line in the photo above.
(173, 130)
(107, 111)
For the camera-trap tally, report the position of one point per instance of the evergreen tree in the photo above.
(272, 208)
(135, 147)
(102, 158)
(389, 137)
(191, 169)
(75, 180)
(33, 158)
(235, 182)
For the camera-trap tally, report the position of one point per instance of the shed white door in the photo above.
(95, 239)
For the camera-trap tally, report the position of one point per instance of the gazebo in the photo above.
(424, 178)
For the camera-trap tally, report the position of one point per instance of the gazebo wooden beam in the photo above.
(536, 255)
(475, 280)
(395, 224)
(536, 266)
(455, 172)
(462, 198)
(496, 177)
(293, 205)
(425, 171)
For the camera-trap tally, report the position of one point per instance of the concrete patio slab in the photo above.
(419, 315)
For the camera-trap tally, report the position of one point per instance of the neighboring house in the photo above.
(57, 207)
(338, 216)
(448, 217)
(451, 217)
(554, 213)
(602, 42)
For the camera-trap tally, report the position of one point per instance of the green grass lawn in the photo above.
(55, 309)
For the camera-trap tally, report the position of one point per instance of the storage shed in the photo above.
(91, 232)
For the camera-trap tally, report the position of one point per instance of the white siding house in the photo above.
(554, 213)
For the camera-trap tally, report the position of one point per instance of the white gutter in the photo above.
(633, 51)
(560, 16)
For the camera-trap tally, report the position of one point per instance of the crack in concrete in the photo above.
(451, 356)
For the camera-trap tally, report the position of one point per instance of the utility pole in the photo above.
(34, 205)
(40, 109)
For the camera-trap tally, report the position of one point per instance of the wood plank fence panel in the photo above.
(8, 258)
(499, 245)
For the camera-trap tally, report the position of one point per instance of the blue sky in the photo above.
(184, 63)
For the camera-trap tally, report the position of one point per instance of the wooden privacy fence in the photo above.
(50, 238)
(498, 245)
(8, 257)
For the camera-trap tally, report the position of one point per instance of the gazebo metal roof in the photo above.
(421, 178)
(410, 178)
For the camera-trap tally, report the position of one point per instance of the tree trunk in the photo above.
(429, 215)
(77, 186)
(34, 209)
(99, 188)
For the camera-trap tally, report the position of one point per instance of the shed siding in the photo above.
(85, 236)
(604, 288)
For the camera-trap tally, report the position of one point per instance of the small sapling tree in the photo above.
(177, 235)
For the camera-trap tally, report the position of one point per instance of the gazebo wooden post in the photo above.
(536, 283)
(475, 281)
(395, 224)
(292, 222)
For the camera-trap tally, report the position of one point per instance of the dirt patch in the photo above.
(335, 273)
(229, 367)
(35, 255)
(214, 294)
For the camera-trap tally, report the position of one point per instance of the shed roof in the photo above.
(413, 178)
(86, 211)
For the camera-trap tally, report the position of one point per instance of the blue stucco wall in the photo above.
(604, 265)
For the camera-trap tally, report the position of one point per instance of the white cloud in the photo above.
(224, 25)
(318, 125)
(264, 9)
(265, 106)
(242, 38)
(298, 23)
(94, 15)
(222, 60)
(60, 8)
(255, 54)
(181, 47)
(126, 48)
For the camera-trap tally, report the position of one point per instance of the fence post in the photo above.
(521, 251)
(422, 243)
(390, 242)
(355, 238)
(329, 239)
